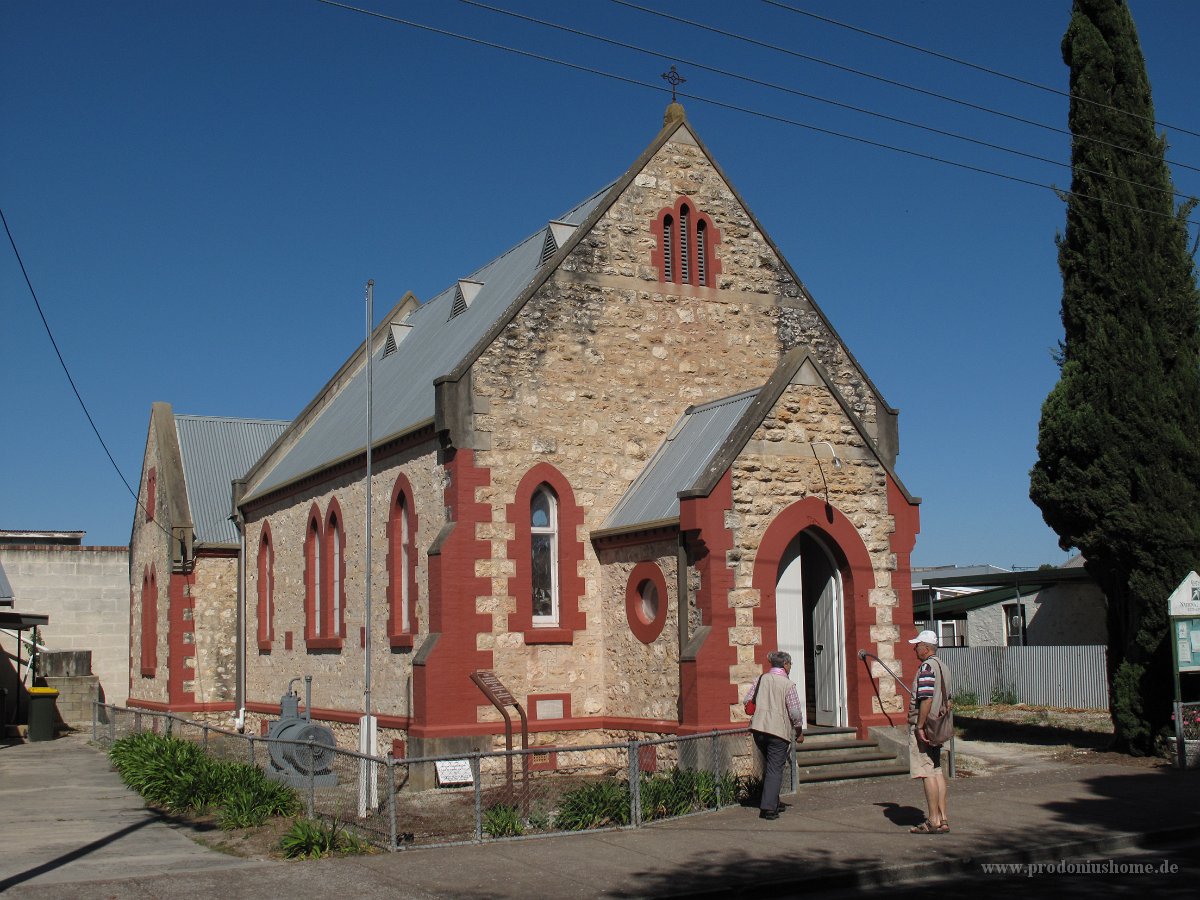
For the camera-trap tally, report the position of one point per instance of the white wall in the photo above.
(85, 592)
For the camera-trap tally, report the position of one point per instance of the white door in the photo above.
(789, 612)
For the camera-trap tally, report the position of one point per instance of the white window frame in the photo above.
(549, 620)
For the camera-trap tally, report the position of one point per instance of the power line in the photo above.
(815, 97)
(66, 371)
(889, 81)
(735, 108)
(976, 66)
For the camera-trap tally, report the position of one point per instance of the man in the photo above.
(778, 717)
(925, 759)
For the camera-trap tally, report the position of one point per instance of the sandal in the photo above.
(925, 827)
(944, 828)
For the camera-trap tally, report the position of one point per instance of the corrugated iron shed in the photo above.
(679, 462)
(403, 391)
(215, 451)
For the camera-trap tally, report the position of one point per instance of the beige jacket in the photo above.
(771, 713)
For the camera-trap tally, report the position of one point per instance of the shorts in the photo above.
(924, 760)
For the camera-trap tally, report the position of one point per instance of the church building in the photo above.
(615, 466)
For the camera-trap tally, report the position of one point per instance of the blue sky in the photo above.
(200, 191)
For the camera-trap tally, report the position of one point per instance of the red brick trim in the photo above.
(907, 518)
(266, 588)
(151, 492)
(402, 563)
(149, 636)
(645, 630)
(444, 697)
(712, 237)
(858, 577)
(313, 551)
(707, 692)
(180, 625)
(570, 555)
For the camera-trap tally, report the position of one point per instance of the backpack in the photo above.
(939, 725)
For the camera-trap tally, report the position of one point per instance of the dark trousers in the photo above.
(774, 751)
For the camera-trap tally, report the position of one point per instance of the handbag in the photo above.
(939, 726)
(750, 706)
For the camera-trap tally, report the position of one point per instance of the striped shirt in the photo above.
(926, 683)
(792, 699)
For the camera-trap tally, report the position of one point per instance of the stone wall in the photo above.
(149, 547)
(213, 588)
(778, 468)
(338, 675)
(599, 365)
(85, 591)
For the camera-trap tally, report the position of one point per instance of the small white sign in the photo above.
(1185, 599)
(453, 772)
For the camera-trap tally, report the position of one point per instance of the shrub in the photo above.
(1004, 695)
(594, 806)
(966, 698)
(307, 839)
(178, 776)
(503, 820)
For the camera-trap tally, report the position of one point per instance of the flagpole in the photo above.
(368, 794)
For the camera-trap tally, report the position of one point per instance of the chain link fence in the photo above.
(482, 796)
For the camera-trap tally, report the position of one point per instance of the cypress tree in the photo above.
(1118, 470)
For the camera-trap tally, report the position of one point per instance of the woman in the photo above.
(778, 718)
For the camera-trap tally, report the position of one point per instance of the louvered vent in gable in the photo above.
(557, 234)
(396, 333)
(464, 293)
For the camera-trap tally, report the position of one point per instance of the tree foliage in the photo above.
(1118, 470)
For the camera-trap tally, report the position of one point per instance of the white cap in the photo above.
(925, 637)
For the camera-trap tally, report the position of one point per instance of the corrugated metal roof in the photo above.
(679, 462)
(215, 451)
(403, 395)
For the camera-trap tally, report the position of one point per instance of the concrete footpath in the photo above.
(71, 829)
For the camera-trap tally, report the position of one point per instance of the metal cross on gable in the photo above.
(674, 79)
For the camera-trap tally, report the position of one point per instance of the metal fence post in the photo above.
(204, 736)
(251, 750)
(391, 800)
(312, 782)
(112, 728)
(475, 770)
(715, 764)
(635, 788)
(95, 721)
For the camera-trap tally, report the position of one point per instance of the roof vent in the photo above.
(464, 294)
(397, 333)
(557, 234)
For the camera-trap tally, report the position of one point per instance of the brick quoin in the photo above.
(179, 649)
(444, 697)
(858, 577)
(907, 518)
(706, 689)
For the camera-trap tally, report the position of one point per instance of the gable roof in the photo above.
(446, 340)
(707, 439)
(678, 463)
(215, 451)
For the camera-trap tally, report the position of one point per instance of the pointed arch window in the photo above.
(149, 623)
(547, 554)
(686, 238)
(312, 577)
(266, 589)
(402, 566)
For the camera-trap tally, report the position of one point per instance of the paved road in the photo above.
(72, 830)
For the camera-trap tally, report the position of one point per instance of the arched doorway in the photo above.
(810, 625)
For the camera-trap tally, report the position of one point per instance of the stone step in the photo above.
(819, 755)
(858, 760)
(812, 746)
(851, 773)
(820, 734)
